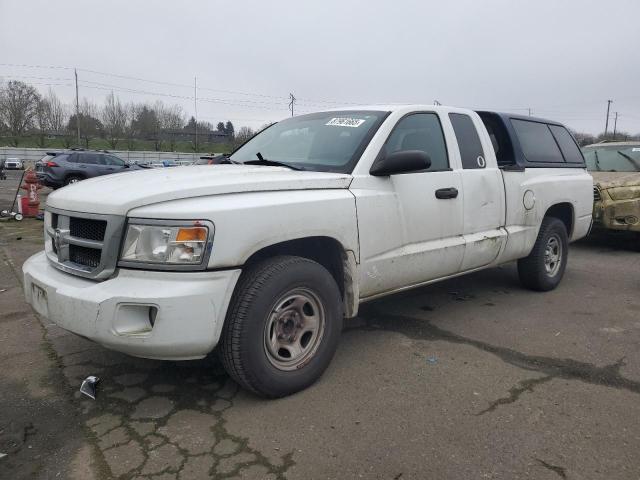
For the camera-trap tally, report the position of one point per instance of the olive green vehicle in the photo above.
(615, 167)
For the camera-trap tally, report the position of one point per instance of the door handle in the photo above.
(444, 193)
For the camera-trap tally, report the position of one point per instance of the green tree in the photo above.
(229, 129)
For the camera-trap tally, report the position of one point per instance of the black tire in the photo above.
(244, 348)
(72, 179)
(538, 271)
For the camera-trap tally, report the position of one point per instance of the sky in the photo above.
(563, 59)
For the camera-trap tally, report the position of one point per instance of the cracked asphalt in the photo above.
(471, 378)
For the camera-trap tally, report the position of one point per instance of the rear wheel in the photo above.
(543, 269)
(282, 327)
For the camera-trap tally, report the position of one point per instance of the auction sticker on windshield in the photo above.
(345, 122)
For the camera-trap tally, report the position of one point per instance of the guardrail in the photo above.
(30, 156)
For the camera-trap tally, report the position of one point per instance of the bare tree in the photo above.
(18, 108)
(242, 135)
(42, 120)
(171, 119)
(57, 113)
(130, 130)
(90, 125)
(114, 119)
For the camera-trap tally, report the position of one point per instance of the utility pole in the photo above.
(529, 111)
(77, 107)
(293, 100)
(606, 125)
(615, 126)
(195, 106)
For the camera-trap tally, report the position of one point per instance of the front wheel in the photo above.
(543, 269)
(282, 327)
(72, 179)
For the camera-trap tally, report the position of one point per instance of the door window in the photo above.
(90, 159)
(469, 143)
(420, 131)
(114, 161)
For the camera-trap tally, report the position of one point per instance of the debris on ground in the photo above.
(432, 360)
(90, 386)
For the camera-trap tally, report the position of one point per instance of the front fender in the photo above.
(248, 222)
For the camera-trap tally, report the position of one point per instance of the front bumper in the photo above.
(161, 315)
(617, 214)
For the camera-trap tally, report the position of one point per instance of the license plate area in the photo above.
(40, 303)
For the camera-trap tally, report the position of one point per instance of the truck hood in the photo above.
(117, 194)
(606, 180)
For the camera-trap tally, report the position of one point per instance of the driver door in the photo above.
(410, 225)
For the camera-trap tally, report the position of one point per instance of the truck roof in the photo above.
(409, 107)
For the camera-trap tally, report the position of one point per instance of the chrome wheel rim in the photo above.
(553, 255)
(294, 329)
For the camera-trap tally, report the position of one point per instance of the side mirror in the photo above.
(403, 161)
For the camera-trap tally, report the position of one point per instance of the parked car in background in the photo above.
(75, 165)
(313, 216)
(13, 164)
(615, 168)
(163, 164)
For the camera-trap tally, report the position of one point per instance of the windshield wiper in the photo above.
(226, 158)
(633, 161)
(272, 163)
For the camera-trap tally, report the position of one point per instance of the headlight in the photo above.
(168, 244)
(624, 193)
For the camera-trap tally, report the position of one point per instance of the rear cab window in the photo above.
(567, 144)
(537, 143)
(469, 143)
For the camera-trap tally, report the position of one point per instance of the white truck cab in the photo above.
(264, 254)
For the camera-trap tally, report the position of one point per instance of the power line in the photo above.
(22, 65)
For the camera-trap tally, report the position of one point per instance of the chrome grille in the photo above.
(596, 194)
(83, 244)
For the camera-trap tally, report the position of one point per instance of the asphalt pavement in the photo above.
(472, 378)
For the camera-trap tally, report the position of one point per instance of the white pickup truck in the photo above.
(265, 254)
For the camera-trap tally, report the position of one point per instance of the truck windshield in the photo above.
(613, 158)
(328, 141)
